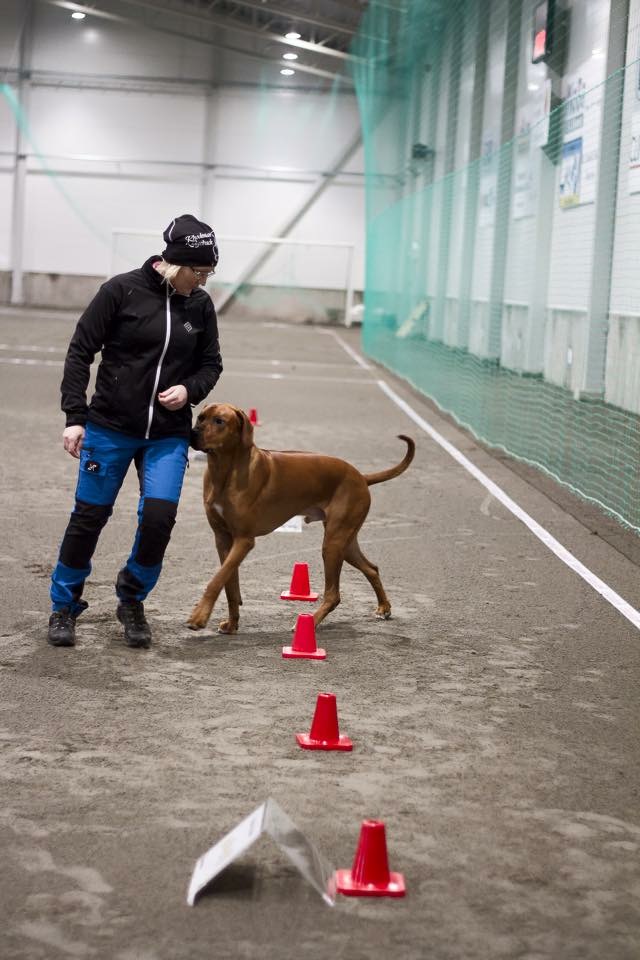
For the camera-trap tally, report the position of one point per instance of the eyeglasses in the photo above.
(202, 274)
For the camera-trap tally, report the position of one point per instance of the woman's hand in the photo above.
(72, 440)
(173, 398)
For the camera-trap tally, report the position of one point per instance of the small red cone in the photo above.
(370, 876)
(299, 589)
(324, 733)
(253, 417)
(303, 645)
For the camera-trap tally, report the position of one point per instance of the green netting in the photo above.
(502, 228)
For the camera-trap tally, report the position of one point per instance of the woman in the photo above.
(158, 334)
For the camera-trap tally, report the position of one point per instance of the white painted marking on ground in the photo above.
(486, 503)
(605, 591)
(24, 348)
(539, 531)
(292, 377)
(345, 346)
(284, 363)
(26, 362)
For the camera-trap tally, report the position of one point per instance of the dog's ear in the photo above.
(246, 429)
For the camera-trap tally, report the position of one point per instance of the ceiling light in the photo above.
(78, 15)
(292, 35)
(289, 56)
(287, 72)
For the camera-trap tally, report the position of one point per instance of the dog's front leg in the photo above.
(232, 587)
(202, 611)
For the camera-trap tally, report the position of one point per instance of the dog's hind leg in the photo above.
(332, 558)
(232, 587)
(337, 535)
(357, 559)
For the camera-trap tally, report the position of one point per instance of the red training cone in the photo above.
(304, 641)
(299, 589)
(253, 417)
(324, 733)
(370, 876)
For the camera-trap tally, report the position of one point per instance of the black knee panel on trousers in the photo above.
(158, 518)
(83, 530)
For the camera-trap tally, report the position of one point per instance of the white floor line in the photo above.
(22, 361)
(345, 346)
(342, 365)
(30, 348)
(605, 591)
(306, 378)
(539, 531)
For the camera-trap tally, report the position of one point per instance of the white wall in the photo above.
(109, 152)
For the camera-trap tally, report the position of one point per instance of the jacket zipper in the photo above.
(159, 367)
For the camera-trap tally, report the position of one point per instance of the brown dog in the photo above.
(249, 492)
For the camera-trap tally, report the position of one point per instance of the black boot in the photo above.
(62, 628)
(137, 632)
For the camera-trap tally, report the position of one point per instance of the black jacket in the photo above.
(142, 354)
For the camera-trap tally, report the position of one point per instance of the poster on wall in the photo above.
(488, 179)
(532, 132)
(540, 111)
(633, 162)
(634, 153)
(523, 198)
(571, 173)
(583, 94)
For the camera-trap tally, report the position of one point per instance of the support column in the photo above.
(20, 163)
(481, 23)
(604, 230)
(453, 81)
(503, 189)
(207, 178)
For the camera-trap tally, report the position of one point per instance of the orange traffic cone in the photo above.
(253, 417)
(324, 733)
(299, 589)
(370, 876)
(303, 645)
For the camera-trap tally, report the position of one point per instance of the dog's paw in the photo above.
(383, 614)
(226, 626)
(198, 620)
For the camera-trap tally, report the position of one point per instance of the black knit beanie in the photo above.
(190, 242)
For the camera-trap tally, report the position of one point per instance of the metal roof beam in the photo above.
(296, 17)
(226, 23)
(197, 38)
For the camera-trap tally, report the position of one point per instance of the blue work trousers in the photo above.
(104, 460)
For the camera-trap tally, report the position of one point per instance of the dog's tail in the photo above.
(398, 469)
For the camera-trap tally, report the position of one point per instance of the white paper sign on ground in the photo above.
(291, 526)
(268, 818)
(225, 852)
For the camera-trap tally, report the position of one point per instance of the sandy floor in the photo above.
(494, 718)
